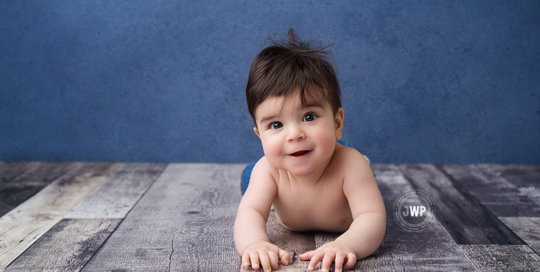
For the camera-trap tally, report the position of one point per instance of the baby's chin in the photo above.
(299, 171)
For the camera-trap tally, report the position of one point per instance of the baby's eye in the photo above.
(275, 125)
(310, 117)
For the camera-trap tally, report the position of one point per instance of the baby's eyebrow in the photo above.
(313, 105)
(267, 118)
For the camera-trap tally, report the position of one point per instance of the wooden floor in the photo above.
(179, 217)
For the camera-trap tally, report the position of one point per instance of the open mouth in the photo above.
(299, 153)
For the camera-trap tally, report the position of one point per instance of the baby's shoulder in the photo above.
(350, 160)
(263, 166)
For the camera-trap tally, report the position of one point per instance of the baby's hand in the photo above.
(327, 253)
(266, 254)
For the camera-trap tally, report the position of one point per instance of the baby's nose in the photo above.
(295, 133)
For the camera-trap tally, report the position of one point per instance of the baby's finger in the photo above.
(245, 259)
(315, 259)
(254, 257)
(351, 260)
(273, 259)
(340, 258)
(306, 255)
(327, 261)
(284, 256)
(265, 261)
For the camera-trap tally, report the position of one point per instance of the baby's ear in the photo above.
(338, 122)
(256, 132)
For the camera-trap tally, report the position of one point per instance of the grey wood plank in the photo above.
(18, 189)
(22, 226)
(45, 172)
(461, 214)
(498, 195)
(527, 228)
(502, 257)
(9, 171)
(430, 249)
(295, 243)
(532, 193)
(65, 247)
(214, 224)
(116, 197)
(520, 175)
(184, 222)
(525, 177)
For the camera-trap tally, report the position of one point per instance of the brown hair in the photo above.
(285, 66)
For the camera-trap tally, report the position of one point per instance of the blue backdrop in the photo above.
(164, 81)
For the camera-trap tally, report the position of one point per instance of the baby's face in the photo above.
(298, 139)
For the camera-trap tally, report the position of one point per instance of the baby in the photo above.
(313, 182)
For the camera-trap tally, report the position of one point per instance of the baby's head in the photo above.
(291, 68)
(294, 89)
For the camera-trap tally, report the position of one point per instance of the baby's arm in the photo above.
(369, 226)
(250, 226)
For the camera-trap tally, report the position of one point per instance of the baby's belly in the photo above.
(331, 217)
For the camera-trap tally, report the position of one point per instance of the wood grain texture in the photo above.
(20, 188)
(9, 171)
(498, 195)
(44, 172)
(116, 197)
(502, 258)
(184, 222)
(65, 247)
(461, 214)
(430, 249)
(525, 177)
(184, 219)
(22, 226)
(532, 193)
(527, 228)
(519, 174)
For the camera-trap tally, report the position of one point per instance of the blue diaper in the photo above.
(246, 174)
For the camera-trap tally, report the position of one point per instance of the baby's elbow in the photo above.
(376, 240)
(382, 226)
(383, 221)
(380, 231)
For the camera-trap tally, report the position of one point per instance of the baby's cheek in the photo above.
(272, 151)
(328, 141)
